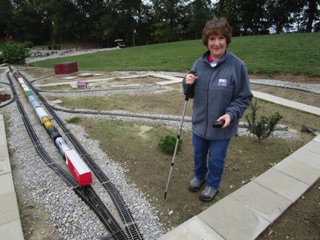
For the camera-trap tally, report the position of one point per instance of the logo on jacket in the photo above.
(222, 82)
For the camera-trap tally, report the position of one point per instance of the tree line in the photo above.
(140, 22)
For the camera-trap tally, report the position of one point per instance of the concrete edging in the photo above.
(10, 223)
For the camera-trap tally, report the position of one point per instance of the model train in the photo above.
(77, 167)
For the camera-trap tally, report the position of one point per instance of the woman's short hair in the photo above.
(214, 27)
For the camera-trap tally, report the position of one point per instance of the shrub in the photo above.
(28, 44)
(263, 128)
(14, 53)
(54, 47)
(73, 120)
(1, 57)
(167, 144)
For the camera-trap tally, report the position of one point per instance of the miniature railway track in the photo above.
(140, 116)
(131, 228)
(86, 193)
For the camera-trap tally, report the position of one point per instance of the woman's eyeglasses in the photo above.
(217, 24)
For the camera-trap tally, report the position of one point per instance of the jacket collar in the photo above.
(206, 55)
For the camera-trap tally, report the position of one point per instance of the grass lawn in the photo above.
(269, 54)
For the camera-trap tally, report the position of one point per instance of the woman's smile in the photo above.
(217, 45)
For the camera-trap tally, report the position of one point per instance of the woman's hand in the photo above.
(190, 78)
(227, 120)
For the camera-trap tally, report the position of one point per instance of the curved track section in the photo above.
(131, 228)
(151, 117)
(86, 193)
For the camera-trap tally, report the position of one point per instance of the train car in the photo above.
(78, 168)
(41, 113)
(54, 133)
(62, 146)
(25, 87)
(31, 98)
(35, 104)
(47, 123)
(29, 93)
(20, 80)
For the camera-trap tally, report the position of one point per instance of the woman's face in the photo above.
(217, 45)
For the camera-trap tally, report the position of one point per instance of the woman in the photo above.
(221, 92)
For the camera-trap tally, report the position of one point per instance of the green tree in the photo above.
(65, 22)
(252, 17)
(312, 15)
(127, 20)
(230, 9)
(199, 12)
(144, 25)
(263, 127)
(30, 22)
(90, 13)
(168, 16)
(281, 13)
(307, 16)
(5, 18)
(246, 16)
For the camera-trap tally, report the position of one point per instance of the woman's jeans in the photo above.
(217, 153)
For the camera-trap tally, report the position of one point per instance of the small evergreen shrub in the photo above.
(14, 53)
(73, 120)
(265, 126)
(168, 143)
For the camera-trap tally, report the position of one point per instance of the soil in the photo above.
(4, 97)
(147, 167)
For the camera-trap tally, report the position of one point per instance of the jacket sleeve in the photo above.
(242, 95)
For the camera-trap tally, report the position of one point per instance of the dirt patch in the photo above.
(4, 97)
(135, 147)
(301, 221)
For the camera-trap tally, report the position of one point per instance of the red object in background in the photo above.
(65, 68)
(78, 168)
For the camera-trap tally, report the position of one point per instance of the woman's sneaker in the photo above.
(195, 184)
(208, 194)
